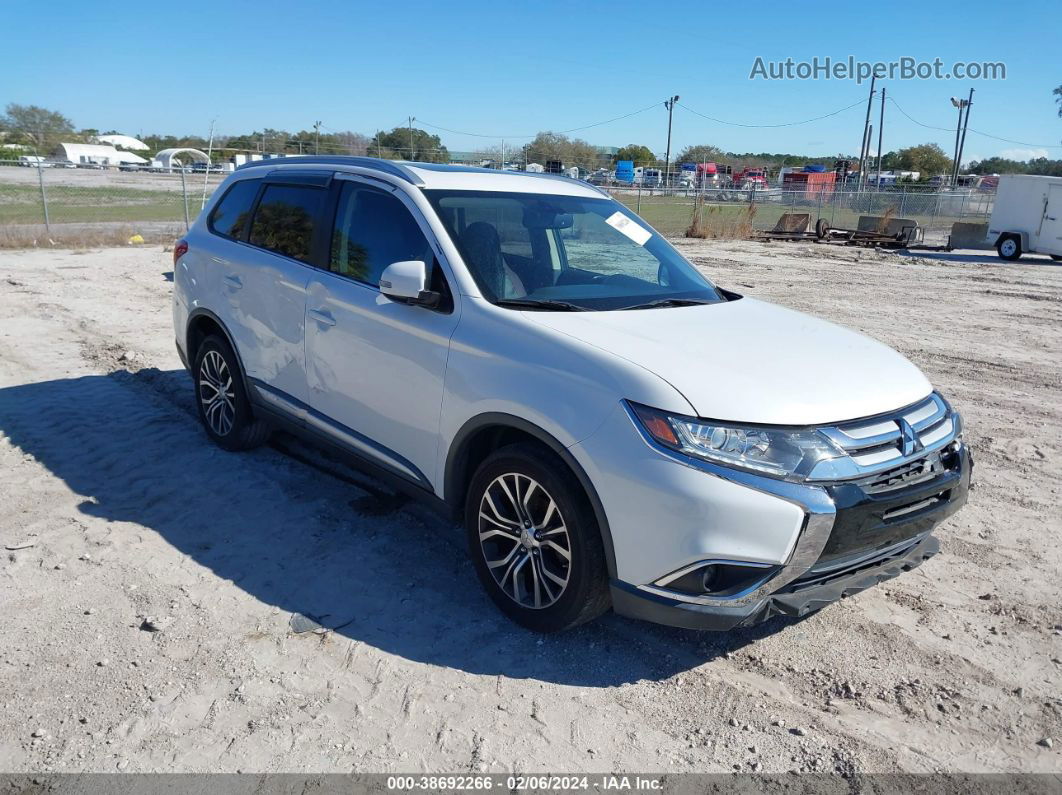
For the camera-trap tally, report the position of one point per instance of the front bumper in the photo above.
(872, 537)
(792, 600)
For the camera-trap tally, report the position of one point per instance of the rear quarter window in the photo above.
(286, 220)
(229, 217)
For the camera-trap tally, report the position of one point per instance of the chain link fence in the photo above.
(96, 206)
(729, 213)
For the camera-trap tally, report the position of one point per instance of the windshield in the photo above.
(557, 253)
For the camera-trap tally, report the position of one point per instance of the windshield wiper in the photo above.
(670, 302)
(540, 303)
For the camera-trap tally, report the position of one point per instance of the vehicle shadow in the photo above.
(297, 532)
(987, 258)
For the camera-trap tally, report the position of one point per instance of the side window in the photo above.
(286, 219)
(229, 218)
(373, 228)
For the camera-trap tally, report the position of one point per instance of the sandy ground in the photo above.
(145, 622)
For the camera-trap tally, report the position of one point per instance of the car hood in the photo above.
(751, 361)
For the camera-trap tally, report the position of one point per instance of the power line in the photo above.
(784, 124)
(916, 121)
(1010, 141)
(559, 132)
(971, 129)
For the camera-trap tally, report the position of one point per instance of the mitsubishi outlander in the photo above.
(613, 429)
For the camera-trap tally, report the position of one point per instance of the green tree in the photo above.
(570, 151)
(997, 165)
(701, 153)
(928, 159)
(1044, 167)
(1058, 98)
(426, 147)
(35, 126)
(641, 155)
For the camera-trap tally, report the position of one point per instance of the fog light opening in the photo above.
(719, 579)
(709, 575)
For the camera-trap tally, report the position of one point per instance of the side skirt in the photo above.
(294, 422)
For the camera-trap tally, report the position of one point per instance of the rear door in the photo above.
(1051, 228)
(265, 279)
(375, 368)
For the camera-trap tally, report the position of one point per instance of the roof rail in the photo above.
(553, 175)
(374, 163)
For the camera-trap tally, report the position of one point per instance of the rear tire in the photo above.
(534, 541)
(221, 398)
(1009, 248)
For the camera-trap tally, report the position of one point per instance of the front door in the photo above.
(375, 368)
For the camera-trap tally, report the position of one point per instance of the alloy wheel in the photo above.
(216, 393)
(524, 541)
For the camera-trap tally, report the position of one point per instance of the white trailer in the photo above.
(1027, 216)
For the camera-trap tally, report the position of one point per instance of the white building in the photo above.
(127, 142)
(97, 154)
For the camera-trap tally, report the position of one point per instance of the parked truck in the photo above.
(1027, 216)
(751, 179)
(712, 175)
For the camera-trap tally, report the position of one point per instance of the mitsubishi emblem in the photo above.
(909, 441)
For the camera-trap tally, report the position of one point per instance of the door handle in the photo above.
(234, 282)
(322, 316)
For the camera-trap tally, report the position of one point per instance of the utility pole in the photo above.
(870, 137)
(864, 151)
(961, 104)
(411, 157)
(958, 131)
(669, 103)
(881, 130)
(965, 125)
(317, 137)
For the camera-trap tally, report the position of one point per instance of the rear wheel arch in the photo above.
(484, 434)
(203, 323)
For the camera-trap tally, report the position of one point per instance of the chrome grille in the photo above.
(889, 442)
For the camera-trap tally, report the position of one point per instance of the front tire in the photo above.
(534, 541)
(1009, 248)
(221, 398)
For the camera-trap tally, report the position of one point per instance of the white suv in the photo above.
(528, 355)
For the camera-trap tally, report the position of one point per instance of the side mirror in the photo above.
(407, 282)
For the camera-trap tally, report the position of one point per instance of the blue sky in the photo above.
(512, 69)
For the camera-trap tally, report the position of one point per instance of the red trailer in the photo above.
(811, 183)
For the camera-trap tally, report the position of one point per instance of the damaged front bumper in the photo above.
(865, 537)
(794, 600)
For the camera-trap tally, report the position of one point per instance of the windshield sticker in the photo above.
(636, 232)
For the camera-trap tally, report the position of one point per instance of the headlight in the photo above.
(779, 453)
